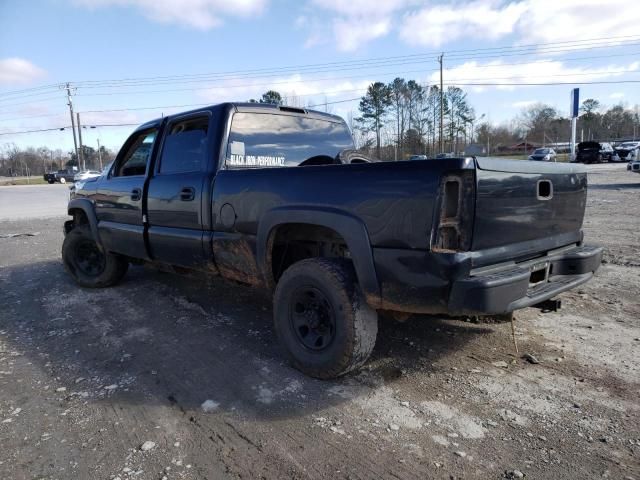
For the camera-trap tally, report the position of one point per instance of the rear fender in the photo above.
(347, 226)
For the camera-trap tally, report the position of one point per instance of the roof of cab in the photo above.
(249, 107)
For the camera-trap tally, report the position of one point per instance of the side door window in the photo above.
(185, 146)
(134, 161)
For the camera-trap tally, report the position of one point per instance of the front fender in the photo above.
(349, 227)
(86, 206)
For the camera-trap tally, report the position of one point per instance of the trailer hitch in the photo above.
(547, 306)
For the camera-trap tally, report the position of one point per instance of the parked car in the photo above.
(418, 157)
(85, 175)
(628, 151)
(634, 166)
(263, 195)
(543, 154)
(595, 152)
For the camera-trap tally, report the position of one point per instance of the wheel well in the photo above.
(79, 216)
(293, 242)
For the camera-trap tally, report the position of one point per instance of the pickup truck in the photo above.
(61, 176)
(276, 197)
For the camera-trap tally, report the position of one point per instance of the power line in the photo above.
(57, 97)
(448, 83)
(597, 82)
(147, 108)
(500, 65)
(208, 78)
(586, 82)
(69, 126)
(34, 131)
(42, 87)
(303, 81)
(48, 91)
(371, 63)
(32, 116)
(554, 47)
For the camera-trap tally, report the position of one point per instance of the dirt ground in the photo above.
(168, 377)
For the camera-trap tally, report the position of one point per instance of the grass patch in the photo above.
(23, 181)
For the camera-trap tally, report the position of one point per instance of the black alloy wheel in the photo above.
(89, 259)
(312, 318)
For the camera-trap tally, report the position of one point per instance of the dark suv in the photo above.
(594, 152)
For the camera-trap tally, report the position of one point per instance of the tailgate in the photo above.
(523, 201)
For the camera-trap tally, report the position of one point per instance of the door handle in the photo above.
(136, 194)
(187, 194)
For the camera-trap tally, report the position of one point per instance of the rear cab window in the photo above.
(264, 140)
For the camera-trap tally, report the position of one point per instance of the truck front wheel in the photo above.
(322, 319)
(89, 266)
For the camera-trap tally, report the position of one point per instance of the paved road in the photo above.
(23, 202)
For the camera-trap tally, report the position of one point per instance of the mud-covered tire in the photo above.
(332, 284)
(86, 264)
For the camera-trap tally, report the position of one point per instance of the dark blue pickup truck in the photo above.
(276, 197)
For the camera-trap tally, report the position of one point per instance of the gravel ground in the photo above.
(180, 378)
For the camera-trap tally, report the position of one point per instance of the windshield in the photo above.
(628, 145)
(541, 151)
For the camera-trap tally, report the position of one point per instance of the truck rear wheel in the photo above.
(88, 266)
(322, 319)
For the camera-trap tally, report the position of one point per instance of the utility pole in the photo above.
(441, 104)
(81, 159)
(73, 126)
(99, 154)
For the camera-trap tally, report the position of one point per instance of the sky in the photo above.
(129, 61)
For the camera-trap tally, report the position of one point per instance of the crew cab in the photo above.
(276, 197)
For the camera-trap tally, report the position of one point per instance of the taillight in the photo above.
(455, 207)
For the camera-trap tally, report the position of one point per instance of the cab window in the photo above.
(259, 140)
(135, 160)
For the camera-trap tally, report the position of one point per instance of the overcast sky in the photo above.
(47, 42)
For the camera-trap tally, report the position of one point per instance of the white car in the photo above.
(634, 166)
(628, 151)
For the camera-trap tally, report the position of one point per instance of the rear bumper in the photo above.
(427, 282)
(503, 290)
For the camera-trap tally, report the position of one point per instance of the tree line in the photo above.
(31, 161)
(402, 118)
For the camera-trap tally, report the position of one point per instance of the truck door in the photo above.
(119, 201)
(174, 200)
